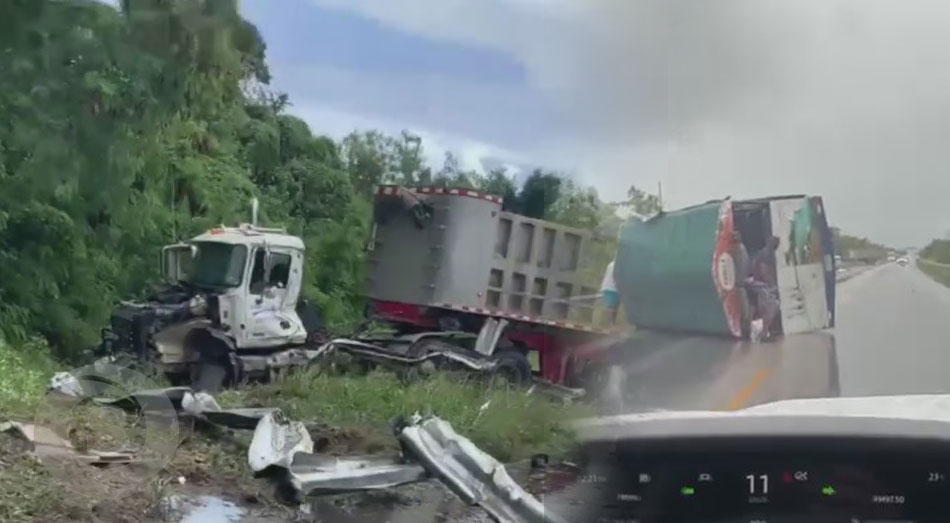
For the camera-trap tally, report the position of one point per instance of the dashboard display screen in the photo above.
(760, 486)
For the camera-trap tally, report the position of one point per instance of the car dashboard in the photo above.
(764, 469)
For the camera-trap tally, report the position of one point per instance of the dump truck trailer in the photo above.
(448, 259)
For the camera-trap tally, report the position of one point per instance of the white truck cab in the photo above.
(253, 276)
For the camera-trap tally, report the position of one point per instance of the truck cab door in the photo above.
(272, 291)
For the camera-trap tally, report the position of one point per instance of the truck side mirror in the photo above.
(175, 261)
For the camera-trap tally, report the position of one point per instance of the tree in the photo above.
(937, 250)
(366, 159)
(499, 183)
(123, 130)
(640, 202)
(576, 207)
(538, 193)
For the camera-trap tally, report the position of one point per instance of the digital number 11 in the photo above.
(763, 479)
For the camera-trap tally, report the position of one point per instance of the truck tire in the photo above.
(513, 367)
(213, 368)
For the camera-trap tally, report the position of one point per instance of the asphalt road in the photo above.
(893, 333)
(892, 337)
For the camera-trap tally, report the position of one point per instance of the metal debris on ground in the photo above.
(199, 402)
(431, 449)
(155, 400)
(469, 472)
(442, 354)
(245, 418)
(276, 440)
(314, 474)
(46, 443)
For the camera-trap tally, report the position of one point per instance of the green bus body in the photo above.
(678, 271)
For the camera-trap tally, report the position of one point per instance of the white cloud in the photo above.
(337, 124)
(846, 98)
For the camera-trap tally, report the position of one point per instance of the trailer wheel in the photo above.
(512, 367)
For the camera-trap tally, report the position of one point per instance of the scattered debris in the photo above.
(314, 474)
(66, 384)
(245, 418)
(153, 400)
(470, 473)
(276, 440)
(46, 443)
(489, 335)
(430, 447)
(199, 402)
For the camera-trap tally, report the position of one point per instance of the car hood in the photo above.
(931, 407)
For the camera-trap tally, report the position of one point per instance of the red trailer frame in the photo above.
(564, 351)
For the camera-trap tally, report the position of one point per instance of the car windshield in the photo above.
(217, 265)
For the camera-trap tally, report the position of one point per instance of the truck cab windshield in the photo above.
(218, 265)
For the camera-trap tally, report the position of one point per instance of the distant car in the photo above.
(902, 261)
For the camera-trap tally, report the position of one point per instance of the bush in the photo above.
(25, 371)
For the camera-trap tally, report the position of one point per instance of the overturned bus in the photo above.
(680, 270)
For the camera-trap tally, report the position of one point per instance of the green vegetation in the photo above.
(938, 271)
(506, 423)
(862, 247)
(124, 130)
(26, 491)
(934, 260)
(25, 371)
(937, 250)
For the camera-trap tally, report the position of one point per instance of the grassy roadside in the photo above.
(24, 373)
(357, 411)
(938, 271)
(504, 422)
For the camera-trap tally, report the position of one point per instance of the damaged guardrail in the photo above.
(281, 447)
(440, 356)
(473, 475)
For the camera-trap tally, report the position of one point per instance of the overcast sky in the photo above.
(849, 99)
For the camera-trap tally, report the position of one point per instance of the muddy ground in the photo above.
(207, 481)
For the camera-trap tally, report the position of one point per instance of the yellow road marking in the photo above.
(741, 399)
